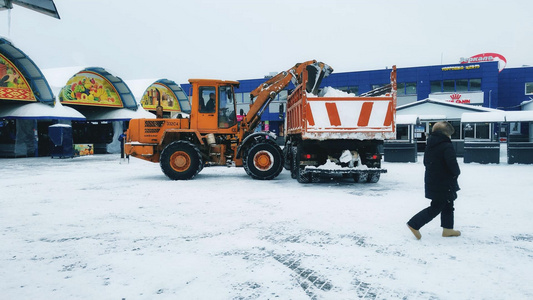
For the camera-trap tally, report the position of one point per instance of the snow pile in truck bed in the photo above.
(331, 92)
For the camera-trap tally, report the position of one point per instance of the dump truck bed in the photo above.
(360, 118)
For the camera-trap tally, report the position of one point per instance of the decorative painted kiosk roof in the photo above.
(20, 78)
(99, 88)
(168, 94)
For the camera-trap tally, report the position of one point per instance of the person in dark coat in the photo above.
(121, 139)
(440, 181)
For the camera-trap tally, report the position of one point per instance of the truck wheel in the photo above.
(263, 161)
(373, 178)
(300, 174)
(181, 160)
(360, 177)
(287, 157)
(294, 166)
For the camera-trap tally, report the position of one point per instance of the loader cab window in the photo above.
(207, 101)
(226, 108)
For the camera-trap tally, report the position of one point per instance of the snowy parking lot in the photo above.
(97, 228)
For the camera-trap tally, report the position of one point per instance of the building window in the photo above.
(350, 89)
(400, 88)
(480, 131)
(468, 130)
(283, 94)
(410, 88)
(457, 127)
(406, 88)
(238, 97)
(353, 90)
(475, 84)
(448, 86)
(436, 86)
(529, 88)
(245, 97)
(461, 85)
(377, 86)
(402, 132)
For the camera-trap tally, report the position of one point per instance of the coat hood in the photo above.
(437, 138)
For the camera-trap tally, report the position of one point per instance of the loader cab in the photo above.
(214, 106)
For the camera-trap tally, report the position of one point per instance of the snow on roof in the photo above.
(39, 110)
(139, 86)
(407, 119)
(442, 102)
(501, 116)
(120, 114)
(483, 117)
(526, 102)
(432, 117)
(519, 116)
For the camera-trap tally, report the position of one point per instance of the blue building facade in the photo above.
(479, 84)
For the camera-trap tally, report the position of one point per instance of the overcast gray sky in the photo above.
(236, 39)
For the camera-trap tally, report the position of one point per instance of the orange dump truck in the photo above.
(337, 134)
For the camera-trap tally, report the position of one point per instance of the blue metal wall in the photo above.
(504, 89)
(488, 72)
(512, 87)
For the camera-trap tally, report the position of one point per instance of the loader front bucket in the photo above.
(315, 73)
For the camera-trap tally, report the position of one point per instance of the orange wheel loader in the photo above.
(211, 135)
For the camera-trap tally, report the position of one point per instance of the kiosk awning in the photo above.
(121, 114)
(38, 110)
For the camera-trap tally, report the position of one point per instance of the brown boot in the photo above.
(446, 232)
(415, 232)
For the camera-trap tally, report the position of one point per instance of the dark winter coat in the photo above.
(442, 169)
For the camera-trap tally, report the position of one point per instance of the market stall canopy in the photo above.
(168, 94)
(39, 111)
(483, 117)
(98, 88)
(20, 78)
(46, 7)
(121, 114)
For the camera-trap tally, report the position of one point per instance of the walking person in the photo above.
(440, 181)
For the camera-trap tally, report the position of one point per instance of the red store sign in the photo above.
(484, 57)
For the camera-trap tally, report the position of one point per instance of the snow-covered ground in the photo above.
(94, 228)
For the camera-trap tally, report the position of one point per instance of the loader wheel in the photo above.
(181, 160)
(263, 161)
